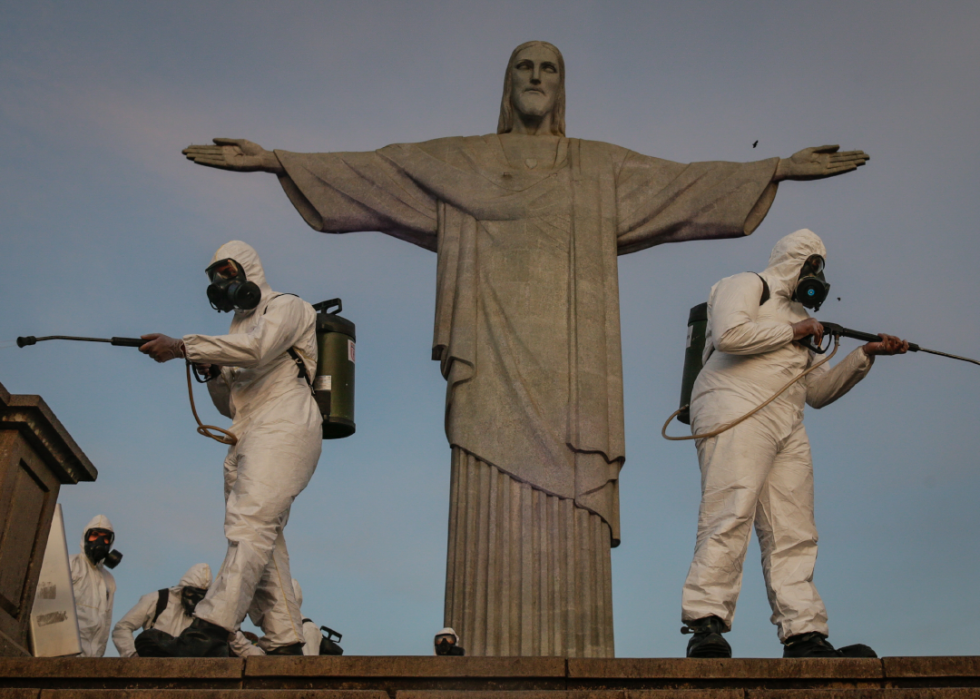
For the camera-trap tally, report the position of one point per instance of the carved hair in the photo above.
(506, 122)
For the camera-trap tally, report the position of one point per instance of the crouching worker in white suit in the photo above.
(162, 615)
(261, 371)
(760, 471)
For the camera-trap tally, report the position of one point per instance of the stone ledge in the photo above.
(725, 668)
(206, 694)
(934, 666)
(406, 677)
(580, 694)
(155, 668)
(890, 693)
(403, 666)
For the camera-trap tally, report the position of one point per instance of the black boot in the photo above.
(707, 641)
(858, 650)
(291, 649)
(809, 645)
(202, 639)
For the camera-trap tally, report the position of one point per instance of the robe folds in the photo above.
(527, 328)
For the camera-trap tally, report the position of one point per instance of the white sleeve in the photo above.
(281, 326)
(733, 311)
(311, 636)
(825, 385)
(242, 647)
(137, 617)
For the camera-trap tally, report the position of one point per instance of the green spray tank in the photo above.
(334, 381)
(697, 325)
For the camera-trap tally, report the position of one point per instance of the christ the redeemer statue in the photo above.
(527, 225)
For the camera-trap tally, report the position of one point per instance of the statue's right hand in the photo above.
(235, 154)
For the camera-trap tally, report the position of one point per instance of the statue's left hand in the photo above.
(236, 154)
(817, 163)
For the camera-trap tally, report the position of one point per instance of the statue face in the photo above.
(535, 81)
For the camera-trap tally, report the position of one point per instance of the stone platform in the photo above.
(404, 677)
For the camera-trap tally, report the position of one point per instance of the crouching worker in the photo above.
(760, 471)
(162, 615)
(261, 379)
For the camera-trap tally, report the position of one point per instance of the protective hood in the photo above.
(245, 255)
(97, 522)
(787, 258)
(298, 593)
(198, 575)
(449, 630)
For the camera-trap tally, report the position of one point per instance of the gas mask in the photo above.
(190, 596)
(229, 289)
(448, 644)
(812, 287)
(97, 545)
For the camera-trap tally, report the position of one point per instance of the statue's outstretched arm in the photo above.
(817, 163)
(235, 154)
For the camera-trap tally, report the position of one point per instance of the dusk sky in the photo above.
(107, 230)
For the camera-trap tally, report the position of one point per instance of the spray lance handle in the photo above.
(831, 330)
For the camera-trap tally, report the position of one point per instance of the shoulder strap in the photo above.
(300, 364)
(163, 599)
(765, 289)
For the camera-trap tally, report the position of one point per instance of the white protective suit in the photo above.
(760, 471)
(311, 632)
(173, 619)
(94, 589)
(278, 426)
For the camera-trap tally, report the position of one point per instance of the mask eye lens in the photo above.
(222, 270)
(813, 266)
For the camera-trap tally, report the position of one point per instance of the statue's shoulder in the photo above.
(450, 149)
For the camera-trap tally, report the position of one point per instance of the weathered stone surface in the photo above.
(936, 666)
(403, 666)
(121, 673)
(19, 693)
(725, 668)
(208, 694)
(394, 673)
(37, 456)
(579, 694)
(893, 693)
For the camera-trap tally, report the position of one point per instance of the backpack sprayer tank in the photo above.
(697, 324)
(334, 380)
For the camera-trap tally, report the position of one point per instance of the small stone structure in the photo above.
(37, 456)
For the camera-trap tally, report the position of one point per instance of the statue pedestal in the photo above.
(37, 455)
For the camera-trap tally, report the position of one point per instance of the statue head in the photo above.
(534, 87)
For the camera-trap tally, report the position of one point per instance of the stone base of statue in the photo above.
(406, 677)
(527, 573)
(37, 456)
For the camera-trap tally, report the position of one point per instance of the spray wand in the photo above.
(835, 330)
(225, 437)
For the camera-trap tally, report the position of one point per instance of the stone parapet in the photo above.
(408, 677)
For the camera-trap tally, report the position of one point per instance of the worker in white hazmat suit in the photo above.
(169, 611)
(94, 586)
(760, 471)
(262, 369)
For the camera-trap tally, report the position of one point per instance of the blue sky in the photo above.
(107, 230)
